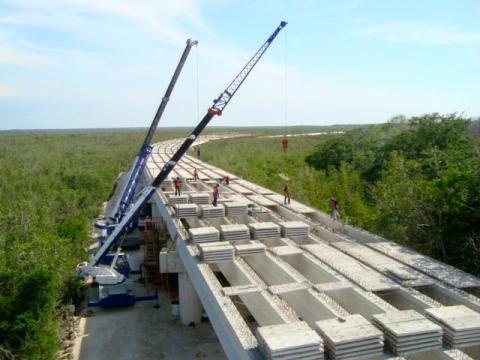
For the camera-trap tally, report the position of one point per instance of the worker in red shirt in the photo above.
(216, 193)
(177, 186)
(286, 193)
(195, 174)
(335, 206)
(285, 144)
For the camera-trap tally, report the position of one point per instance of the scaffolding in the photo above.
(155, 238)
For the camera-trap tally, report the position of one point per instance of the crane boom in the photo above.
(218, 106)
(140, 161)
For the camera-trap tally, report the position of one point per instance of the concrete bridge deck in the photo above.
(339, 291)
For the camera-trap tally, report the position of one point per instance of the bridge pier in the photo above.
(190, 305)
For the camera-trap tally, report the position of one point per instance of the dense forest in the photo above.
(52, 186)
(415, 181)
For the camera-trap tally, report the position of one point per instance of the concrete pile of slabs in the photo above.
(210, 211)
(186, 210)
(290, 341)
(461, 325)
(235, 209)
(216, 252)
(254, 247)
(235, 232)
(264, 230)
(294, 228)
(204, 234)
(254, 211)
(167, 183)
(407, 332)
(173, 199)
(352, 337)
(199, 198)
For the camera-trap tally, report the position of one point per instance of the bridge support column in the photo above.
(190, 305)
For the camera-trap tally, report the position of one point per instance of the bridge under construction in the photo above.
(287, 282)
(276, 280)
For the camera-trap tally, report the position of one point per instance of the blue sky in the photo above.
(107, 63)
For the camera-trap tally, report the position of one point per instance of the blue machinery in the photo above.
(140, 161)
(114, 287)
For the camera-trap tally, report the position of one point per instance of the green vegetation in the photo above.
(414, 181)
(52, 186)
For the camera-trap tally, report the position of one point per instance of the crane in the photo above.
(128, 192)
(112, 284)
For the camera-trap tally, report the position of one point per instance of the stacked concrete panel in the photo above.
(408, 332)
(235, 209)
(186, 210)
(290, 341)
(204, 234)
(254, 211)
(461, 325)
(264, 230)
(294, 228)
(352, 337)
(210, 211)
(173, 199)
(199, 198)
(235, 232)
(216, 252)
(254, 247)
(167, 183)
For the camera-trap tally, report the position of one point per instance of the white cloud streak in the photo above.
(8, 91)
(12, 56)
(419, 33)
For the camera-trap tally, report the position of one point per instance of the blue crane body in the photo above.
(138, 166)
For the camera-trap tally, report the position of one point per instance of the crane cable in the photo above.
(197, 83)
(285, 81)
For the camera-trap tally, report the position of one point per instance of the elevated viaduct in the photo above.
(287, 282)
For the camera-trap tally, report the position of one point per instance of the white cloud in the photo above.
(13, 56)
(165, 20)
(420, 33)
(8, 91)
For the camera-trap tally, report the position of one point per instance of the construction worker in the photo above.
(286, 193)
(216, 193)
(199, 153)
(177, 186)
(285, 144)
(334, 205)
(195, 174)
